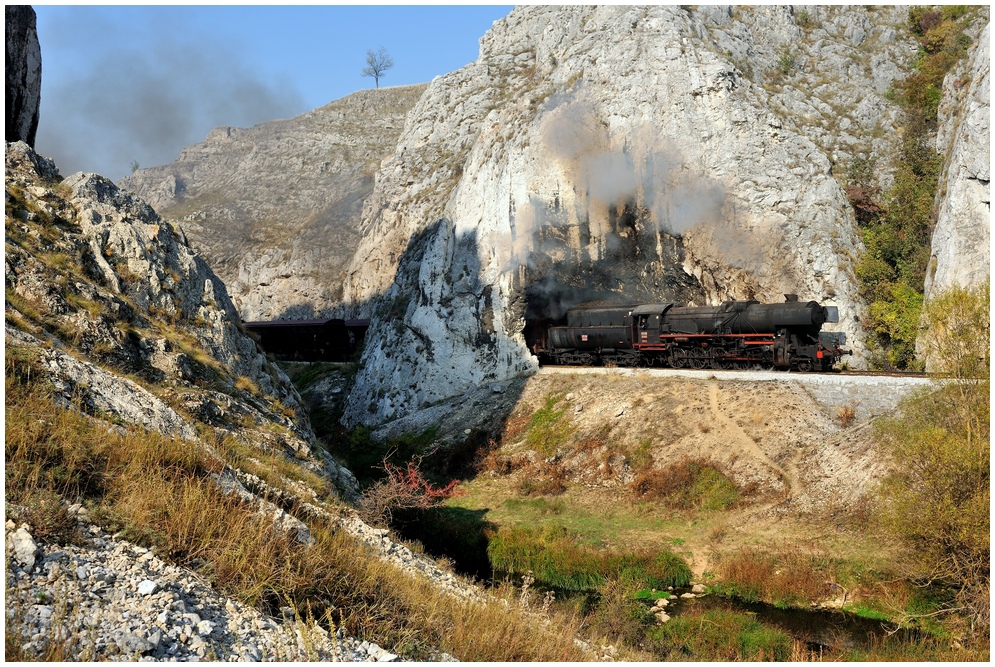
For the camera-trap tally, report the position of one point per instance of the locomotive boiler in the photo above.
(735, 334)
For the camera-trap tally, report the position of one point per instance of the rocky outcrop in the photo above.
(103, 392)
(23, 73)
(275, 208)
(93, 269)
(662, 153)
(962, 239)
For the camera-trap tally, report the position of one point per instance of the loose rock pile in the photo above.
(111, 600)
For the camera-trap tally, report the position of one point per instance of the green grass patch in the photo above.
(558, 558)
(867, 612)
(719, 635)
(547, 429)
(652, 594)
(543, 506)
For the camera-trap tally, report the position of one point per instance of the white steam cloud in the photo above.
(646, 171)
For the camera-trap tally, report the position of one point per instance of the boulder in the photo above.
(22, 548)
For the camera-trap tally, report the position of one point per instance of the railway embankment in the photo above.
(874, 395)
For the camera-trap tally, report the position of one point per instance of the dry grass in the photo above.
(788, 577)
(243, 383)
(273, 467)
(158, 491)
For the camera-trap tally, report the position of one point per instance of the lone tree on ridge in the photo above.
(377, 63)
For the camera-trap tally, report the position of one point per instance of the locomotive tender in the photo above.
(735, 334)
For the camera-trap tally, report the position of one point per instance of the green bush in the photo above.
(937, 500)
(957, 332)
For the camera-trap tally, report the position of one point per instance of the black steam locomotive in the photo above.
(735, 334)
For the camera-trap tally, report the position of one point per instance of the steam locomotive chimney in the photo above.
(790, 297)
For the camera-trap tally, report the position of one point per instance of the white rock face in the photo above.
(169, 277)
(105, 392)
(622, 151)
(961, 242)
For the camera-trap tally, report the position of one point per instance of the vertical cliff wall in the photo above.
(962, 240)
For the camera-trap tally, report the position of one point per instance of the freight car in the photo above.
(735, 334)
(310, 340)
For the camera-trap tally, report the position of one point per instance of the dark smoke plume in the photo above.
(146, 105)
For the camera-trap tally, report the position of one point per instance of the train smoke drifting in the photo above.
(145, 103)
(646, 169)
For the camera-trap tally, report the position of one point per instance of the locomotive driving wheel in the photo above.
(679, 358)
(697, 358)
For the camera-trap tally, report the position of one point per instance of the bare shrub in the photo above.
(589, 444)
(515, 426)
(847, 414)
(495, 463)
(401, 489)
(687, 484)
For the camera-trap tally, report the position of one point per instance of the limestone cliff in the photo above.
(23, 92)
(961, 242)
(275, 208)
(653, 153)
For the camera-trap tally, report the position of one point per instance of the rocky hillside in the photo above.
(148, 440)
(275, 208)
(663, 153)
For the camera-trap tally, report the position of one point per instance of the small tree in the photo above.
(377, 64)
(957, 329)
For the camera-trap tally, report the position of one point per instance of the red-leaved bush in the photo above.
(401, 489)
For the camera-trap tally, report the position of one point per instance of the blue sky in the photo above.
(128, 83)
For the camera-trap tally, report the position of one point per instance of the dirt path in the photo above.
(740, 438)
